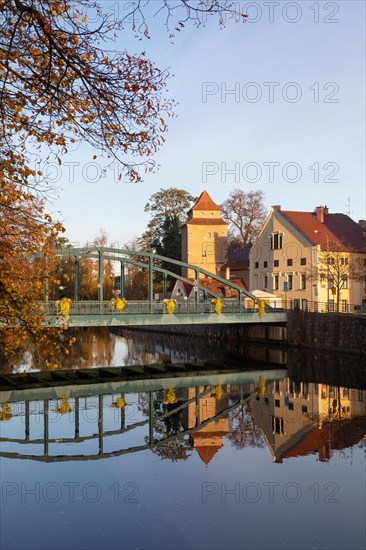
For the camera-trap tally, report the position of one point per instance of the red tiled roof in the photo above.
(206, 453)
(212, 284)
(205, 202)
(339, 228)
(343, 434)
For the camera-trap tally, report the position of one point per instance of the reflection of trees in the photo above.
(243, 430)
(177, 346)
(168, 422)
(178, 449)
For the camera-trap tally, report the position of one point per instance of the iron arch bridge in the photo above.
(201, 310)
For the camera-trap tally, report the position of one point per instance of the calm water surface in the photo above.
(242, 448)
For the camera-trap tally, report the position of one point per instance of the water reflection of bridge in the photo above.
(35, 409)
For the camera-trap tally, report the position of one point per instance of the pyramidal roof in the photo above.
(205, 202)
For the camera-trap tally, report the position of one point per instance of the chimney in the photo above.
(362, 223)
(321, 212)
(276, 207)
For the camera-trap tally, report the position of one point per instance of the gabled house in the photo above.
(182, 290)
(311, 256)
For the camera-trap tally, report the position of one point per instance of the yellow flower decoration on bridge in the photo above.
(5, 413)
(170, 397)
(119, 303)
(261, 308)
(218, 305)
(169, 304)
(219, 392)
(64, 306)
(261, 389)
(65, 406)
(120, 403)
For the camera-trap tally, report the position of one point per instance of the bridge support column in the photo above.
(151, 418)
(122, 281)
(151, 280)
(100, 280)
(76, 279)
(100, 424)
(45, 427)
(164, 284)
(197, 285)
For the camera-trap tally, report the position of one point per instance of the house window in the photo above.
(275, 263)
(346, 261)
(265, 281)
(304, 409)
(277, 402)
(345, 283)
(344, 305)
(276, 241)
(256, 265)
(278, 425)
(290, 282)
(303, 261)
(290, 406)
(303, 282)
(289, 261)
(276, 282)
(265, 264)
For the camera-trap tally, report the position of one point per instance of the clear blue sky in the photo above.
(318, 140)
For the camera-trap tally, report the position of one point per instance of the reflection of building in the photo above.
(298, 419)
(207, 440)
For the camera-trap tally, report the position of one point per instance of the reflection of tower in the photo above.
(208, 439)
(204, 236)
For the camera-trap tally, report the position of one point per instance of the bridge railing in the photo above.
(156, 307)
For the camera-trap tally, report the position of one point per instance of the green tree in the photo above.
(168, 208)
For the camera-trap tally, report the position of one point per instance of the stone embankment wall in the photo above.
(327, 331)
(323, 331)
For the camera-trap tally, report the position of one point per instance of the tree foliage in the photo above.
(60, 85)
(245, 212)
(27, 240)
(168, 208)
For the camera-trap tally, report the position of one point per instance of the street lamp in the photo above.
(326, 235)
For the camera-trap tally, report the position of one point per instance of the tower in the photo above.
(204, 236)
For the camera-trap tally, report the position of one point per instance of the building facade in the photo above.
(311, 256)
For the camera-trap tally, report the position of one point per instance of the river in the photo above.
(152, 441)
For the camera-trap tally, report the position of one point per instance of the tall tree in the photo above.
(245, 212)
(59, 86)
(27, 239)
(168, 208)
